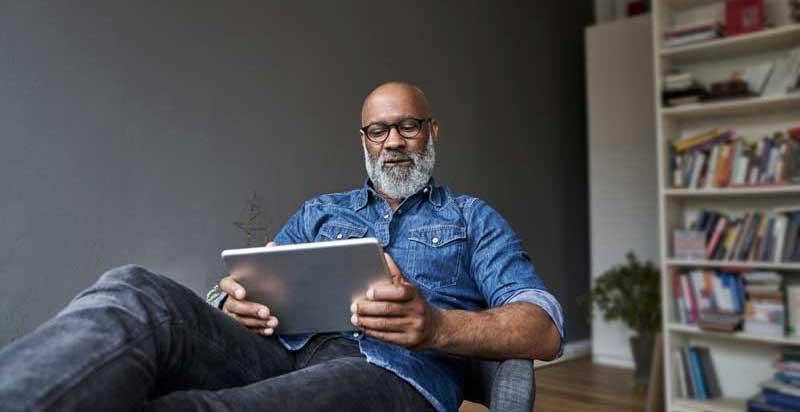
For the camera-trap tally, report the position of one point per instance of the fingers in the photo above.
(255, 323)
(395, 293)
(380, 323)
(231, 287)
(271, 244)
(268, 331)
(246, 308)
(368, 308)
(394, 270)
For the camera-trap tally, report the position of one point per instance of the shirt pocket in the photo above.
(339, 231)
(436, 254)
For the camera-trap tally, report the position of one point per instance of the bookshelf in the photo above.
(749, 106)
(721, 264)
(772, 191)
(741, 360)
(780, 37)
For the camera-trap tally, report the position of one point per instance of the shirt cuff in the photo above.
(548, 303)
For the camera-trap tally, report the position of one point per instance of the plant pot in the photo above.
(642, 349)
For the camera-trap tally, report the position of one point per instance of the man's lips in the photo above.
(397, 162)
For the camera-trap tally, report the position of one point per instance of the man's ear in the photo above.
(435, 130)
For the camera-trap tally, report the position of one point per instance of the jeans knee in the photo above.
(133, 275)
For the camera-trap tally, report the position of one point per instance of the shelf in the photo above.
(772, 191)
(685, 4)
(741, 336)
(716, 405)
(753, 105)
(782, 37)
(791, 266)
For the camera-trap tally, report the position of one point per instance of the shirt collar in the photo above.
(360, 198)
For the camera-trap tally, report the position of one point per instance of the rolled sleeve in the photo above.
(502, 270)
(548, 303)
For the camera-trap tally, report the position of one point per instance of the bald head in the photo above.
(394, 99)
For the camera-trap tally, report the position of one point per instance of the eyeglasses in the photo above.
(408, 128)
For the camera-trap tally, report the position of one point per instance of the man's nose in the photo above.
(394, 140)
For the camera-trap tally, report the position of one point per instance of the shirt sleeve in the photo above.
(500, 267)
(548, 303)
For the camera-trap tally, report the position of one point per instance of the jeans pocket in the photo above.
(436, 255)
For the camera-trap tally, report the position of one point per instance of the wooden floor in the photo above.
(580, 385)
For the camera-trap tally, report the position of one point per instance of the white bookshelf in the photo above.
(736, 336)
(771, 191)
(780, 37)
(737, 107)
(732, 353)
(721, 264)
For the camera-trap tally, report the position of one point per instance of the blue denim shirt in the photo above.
(459, 252)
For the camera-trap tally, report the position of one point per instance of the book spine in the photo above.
(695, 363)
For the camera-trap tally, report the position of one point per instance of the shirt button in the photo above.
(339, 236)
(425, 190)
(385, 216)
(355, 334)
(435, 240)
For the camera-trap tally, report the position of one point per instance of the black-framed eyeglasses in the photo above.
(408, 128)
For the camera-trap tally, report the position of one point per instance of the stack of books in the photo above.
(721, 158)
(782, 392)
(696, 376)
(765, 311)
(710, 299)
(753, 236)
(680, 89)
(693, 33)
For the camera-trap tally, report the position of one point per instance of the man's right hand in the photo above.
(255, 316)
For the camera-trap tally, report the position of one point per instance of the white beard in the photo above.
(400, 182)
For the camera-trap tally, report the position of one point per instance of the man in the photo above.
(463, 287)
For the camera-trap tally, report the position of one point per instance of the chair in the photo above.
(506, 386)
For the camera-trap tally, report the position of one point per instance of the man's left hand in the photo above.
(396, 312)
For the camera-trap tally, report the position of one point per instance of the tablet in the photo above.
(309, 287)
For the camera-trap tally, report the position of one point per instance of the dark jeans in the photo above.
(140, 341)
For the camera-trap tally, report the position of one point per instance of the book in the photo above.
(709, 373)
(723, 158)
(694, 364)
(694, 27)
(680, 374)
(793, 309)
(696, 37)
(780, 387)
(758, 403)
(743, 16)
(691, 384)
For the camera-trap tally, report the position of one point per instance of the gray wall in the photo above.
(134, 131)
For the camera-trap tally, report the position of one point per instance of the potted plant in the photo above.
(631, 293)
(254, 223)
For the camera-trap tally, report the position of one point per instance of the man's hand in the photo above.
(253, 315)
(396, 312)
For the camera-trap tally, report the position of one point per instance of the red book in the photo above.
(712, 245)
(743, 16)
(688, 289)
(676, 288)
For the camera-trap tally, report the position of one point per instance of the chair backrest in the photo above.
(507, 386)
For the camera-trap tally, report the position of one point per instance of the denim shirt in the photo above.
(457, 250)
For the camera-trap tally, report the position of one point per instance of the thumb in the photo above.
(271, 244)
(394, 270)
